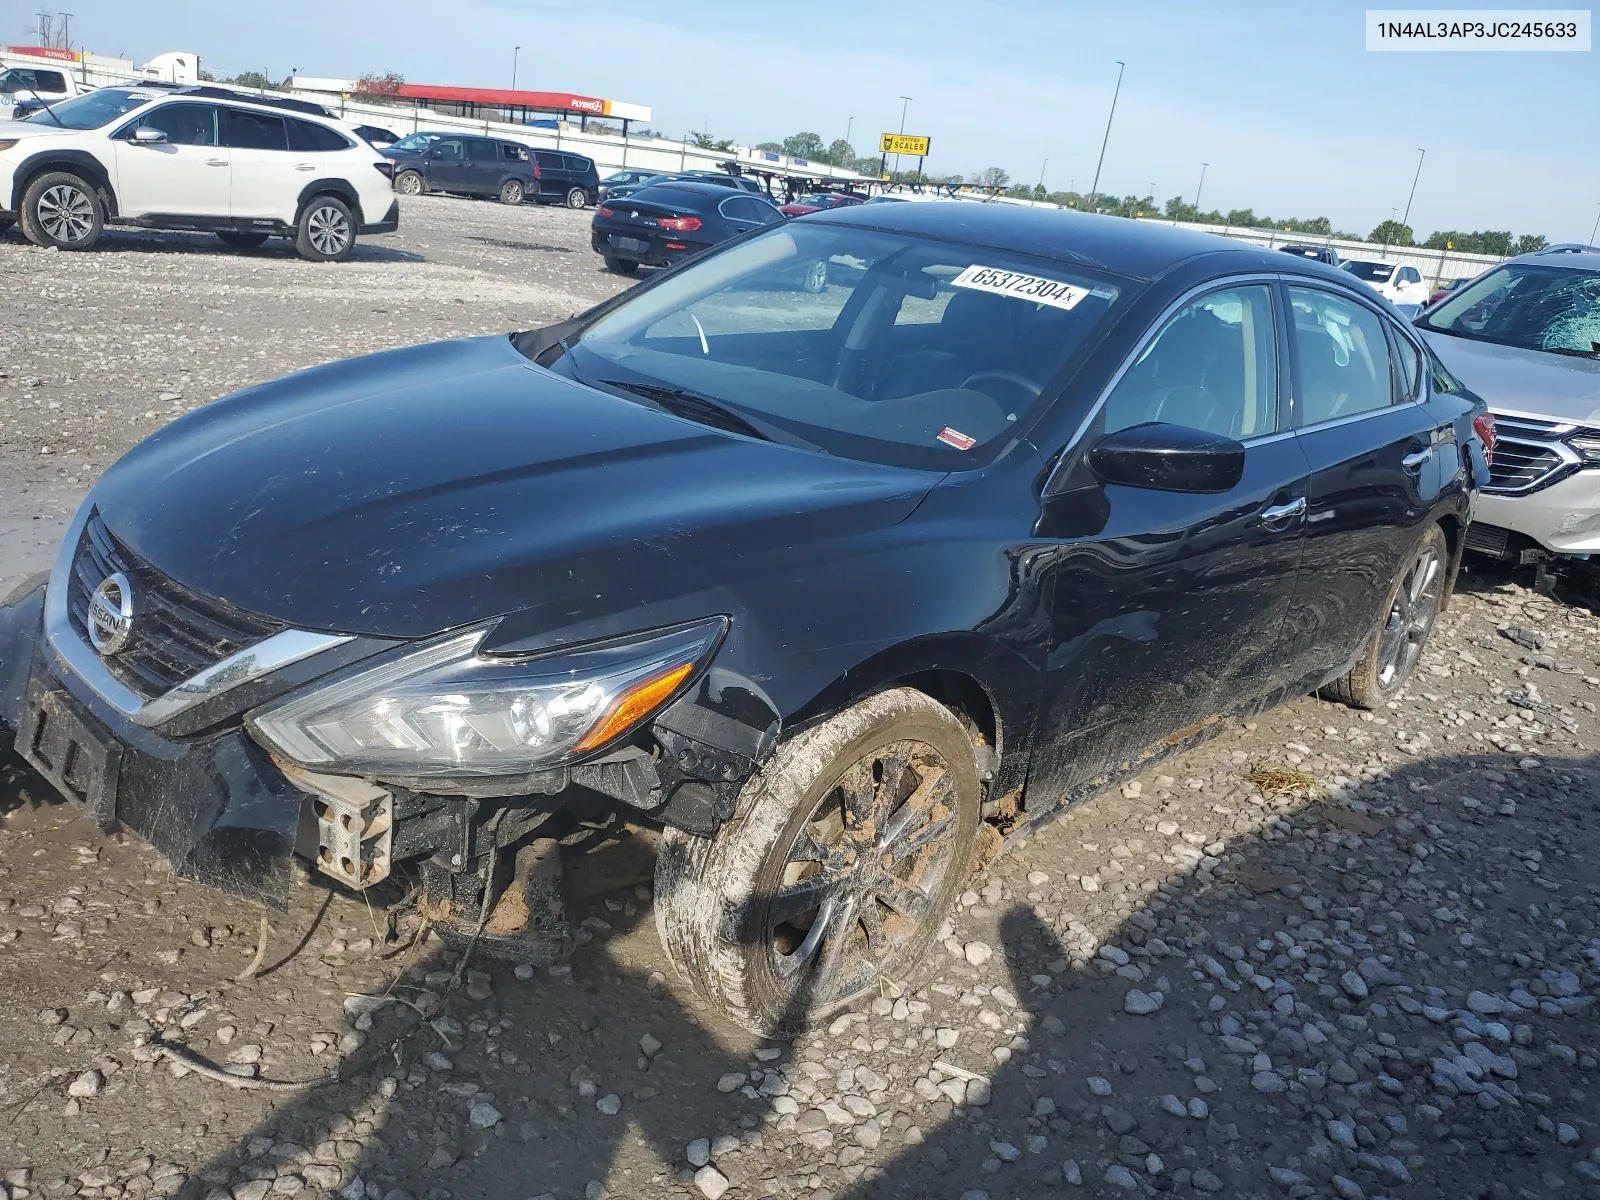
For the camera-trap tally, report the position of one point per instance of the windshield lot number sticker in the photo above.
(1024, 287)
(960, 441)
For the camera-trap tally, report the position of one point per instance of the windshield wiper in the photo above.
(1592, 353)
(684, 403)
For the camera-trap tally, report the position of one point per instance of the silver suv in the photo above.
(1526, 337)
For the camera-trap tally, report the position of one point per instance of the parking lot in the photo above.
(1328, 953)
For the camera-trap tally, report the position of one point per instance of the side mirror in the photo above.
(145, 136)
(436, 153)
(1168, 458)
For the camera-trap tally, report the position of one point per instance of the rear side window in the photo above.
(309, 136)
(481, 150)
(49, 81)
(513, 153)
(578, 163)
(254, 131)
(1213, 366)
(185, 124)
(1343, 357)
(1407, 368)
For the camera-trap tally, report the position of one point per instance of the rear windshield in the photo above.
(1534, 306)
(94, 109)
(880, 346)
(1370, 271)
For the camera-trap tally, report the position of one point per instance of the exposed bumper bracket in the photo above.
(355, 826)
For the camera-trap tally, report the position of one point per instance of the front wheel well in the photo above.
(964, 696)
(73, 165)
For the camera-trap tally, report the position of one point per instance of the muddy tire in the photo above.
(842, 859)
(408, 183)
(1409, 611)
(61, 210)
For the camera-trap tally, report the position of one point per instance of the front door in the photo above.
(265, 184)
(1167, 607)
(447, 165)
(189, 174)
(1380, 458)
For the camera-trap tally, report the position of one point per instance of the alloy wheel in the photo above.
(861, 872)
(576, 198)
(66, 213)
(328, 229)
(1411, 616)
(410, 184)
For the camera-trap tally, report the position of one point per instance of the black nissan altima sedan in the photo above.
(836, 589)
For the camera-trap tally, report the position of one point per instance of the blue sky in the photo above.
(1283, 100)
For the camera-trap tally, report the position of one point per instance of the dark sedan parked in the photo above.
(659, 225)
(468, 166)
(837, 590)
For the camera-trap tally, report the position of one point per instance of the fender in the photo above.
(330, 186)
(80, 162)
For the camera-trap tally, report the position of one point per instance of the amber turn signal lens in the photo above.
(632, 705)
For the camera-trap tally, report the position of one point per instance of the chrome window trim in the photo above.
(263, 658)
(1221, 283)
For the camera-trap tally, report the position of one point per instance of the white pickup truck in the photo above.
(27, 84)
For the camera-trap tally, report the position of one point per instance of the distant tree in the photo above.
(1494, 241)
(250, 79)
(992, 177)
(808, 146)
(1529, 242)
(1020, 191)
(385, 84)
(770, 147)
(1242, 216)
(1392, 233)
(206, 76)
(706, 142)
(841, 154)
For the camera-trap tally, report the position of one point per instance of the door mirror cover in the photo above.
(1168, 458)
(147, 136)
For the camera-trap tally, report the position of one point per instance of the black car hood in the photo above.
(409, 492)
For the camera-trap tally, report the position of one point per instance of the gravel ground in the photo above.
(1326, 954)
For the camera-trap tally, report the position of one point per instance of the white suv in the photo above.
(204, 158)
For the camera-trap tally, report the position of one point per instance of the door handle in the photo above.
(1414, 460)
(304, 167)
(1277, 516)
(216, 162)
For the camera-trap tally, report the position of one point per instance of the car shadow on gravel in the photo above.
(122, 240)
(608, 1072)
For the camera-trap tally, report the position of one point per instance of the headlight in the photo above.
(1588, 447)
(444, 709)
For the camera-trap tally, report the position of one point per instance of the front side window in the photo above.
(798, 330)
(15, 80)
(1213, 366)
(1343, 357)
(1532, 305)
(255, 131)
(49, 81)
(95, 109)
(449, 149)
(185, 124)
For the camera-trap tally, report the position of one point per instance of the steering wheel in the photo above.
(1029, 388)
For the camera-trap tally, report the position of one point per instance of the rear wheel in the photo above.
(1392, 651)
(622, 266)
(242, 239)
(60, 209)
(577, 198)
(408, 183)
(842, 860)
(511, 192)
(327, 230)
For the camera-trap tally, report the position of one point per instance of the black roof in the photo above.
(713, 193)
(1131, 248)
(210, 92)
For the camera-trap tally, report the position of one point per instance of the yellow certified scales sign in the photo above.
(903, 143)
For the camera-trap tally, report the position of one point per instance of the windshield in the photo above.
(416, 141)
(1372, 272)
(1531, 305)
(95, 109)
(879, 346)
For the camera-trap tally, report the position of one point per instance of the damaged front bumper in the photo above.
(181, 772)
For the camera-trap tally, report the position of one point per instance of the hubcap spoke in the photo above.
(798, 898)
(921, 838)
(901, 896)
(917, 808)
(836, 943)
(872, 924)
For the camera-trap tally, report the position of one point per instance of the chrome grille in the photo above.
(177, 632)
(1529, 454)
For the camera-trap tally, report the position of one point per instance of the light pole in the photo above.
(850, 124)
(1041, 174)
(515, 50)
(1595, 232)
(1198, 186)
(1094, 188)
(905, 102)
(1421, 154)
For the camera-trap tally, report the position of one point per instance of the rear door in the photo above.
(483, 170)
(553, 173)
(1167, 608)
(186, 175)
(265, 184)
(1380, 457)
